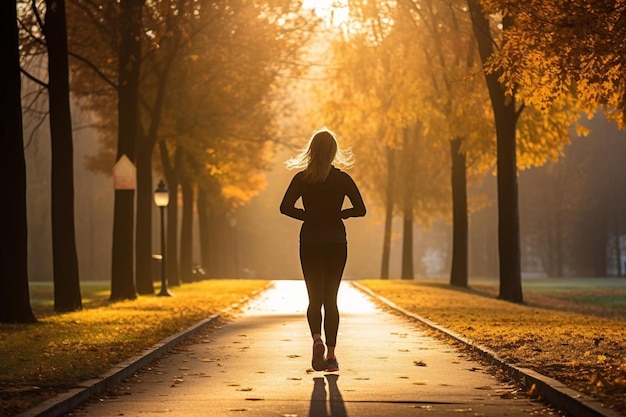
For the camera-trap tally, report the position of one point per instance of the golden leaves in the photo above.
(569, 53)
(583, 351)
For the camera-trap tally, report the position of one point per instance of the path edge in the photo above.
(564, 398)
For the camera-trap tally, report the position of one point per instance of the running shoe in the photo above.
(331, 364)
(318, 363)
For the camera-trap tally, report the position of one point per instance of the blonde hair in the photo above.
(319, 154)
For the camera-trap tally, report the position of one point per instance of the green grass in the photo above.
(60, 350)
(578, 343)
(610, 301)
(93, 294)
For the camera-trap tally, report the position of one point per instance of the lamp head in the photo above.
(161, 195)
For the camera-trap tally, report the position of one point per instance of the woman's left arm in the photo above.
(358, 206)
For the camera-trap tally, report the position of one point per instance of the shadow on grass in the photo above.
(481, 290)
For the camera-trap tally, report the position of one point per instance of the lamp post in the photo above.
(162, 199)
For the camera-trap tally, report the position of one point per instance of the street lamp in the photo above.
(162, 199)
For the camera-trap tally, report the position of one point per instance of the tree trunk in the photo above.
(508, 207)
(407, 240)
(122, 277)
(14, 297)
(617, 246)
(391, 174)
(186, 232)
(65, 259)
(203, 227)
(172, 179)
(458, 271)
(145, 149)
(407, 232)
(143, 237)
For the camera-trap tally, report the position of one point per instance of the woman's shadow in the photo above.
(318, 398)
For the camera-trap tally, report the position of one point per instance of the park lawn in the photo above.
(61, 350)
(584, 349)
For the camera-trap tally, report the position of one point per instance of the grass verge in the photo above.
(583, 347)
(61, 350)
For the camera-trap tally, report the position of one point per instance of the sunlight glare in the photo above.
(334, 12)
(290, 297)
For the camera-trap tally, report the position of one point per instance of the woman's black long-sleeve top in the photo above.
(322, 214)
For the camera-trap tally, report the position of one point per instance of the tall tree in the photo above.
(186, 227)
(129, 65)
(460, 221)
(407, 183)
(443, 29)
(65, 259)
(14, 298)
(172, 28)
(389, 198)
(506, 115)
(171, 173)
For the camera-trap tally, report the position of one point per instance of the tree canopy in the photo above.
(554, 48)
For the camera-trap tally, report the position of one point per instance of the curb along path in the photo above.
(555, 392)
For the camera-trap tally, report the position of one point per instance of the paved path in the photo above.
(259, 365)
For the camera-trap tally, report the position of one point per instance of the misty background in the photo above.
(571, 218)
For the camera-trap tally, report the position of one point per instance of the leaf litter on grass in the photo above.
(62, 350)
(582, 347)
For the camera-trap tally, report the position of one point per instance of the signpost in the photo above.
(124, 174)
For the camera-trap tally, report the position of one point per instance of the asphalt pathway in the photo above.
(258, 364)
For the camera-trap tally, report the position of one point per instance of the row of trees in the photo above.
(195, 80)
(571, 213)
(424, 59)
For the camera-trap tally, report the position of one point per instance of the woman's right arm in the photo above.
(288, 205)
(358, 206)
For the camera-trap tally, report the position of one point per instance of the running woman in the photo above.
(323, 245)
